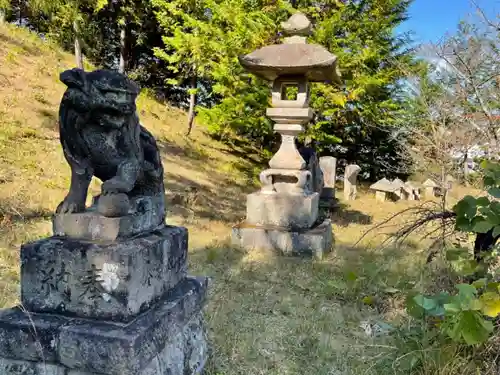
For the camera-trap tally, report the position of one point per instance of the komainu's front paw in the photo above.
(115, 185)
(70, 206)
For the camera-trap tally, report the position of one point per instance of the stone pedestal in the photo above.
(100, 280)
(315, 241)
(282, 210)
(168, 339)
(125, 307)
(286, 223)
(91, 225)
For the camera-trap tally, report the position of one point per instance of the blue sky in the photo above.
(431, 19)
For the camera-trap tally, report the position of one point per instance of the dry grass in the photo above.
(267, 314)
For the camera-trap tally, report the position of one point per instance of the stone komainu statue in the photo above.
(101, 136)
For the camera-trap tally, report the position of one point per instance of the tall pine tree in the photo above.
(204, 38)
(374, 62)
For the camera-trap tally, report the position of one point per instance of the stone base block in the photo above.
(327, 193)
(329, 203)
(168, 339)
(315, 241)
(112, 281)
(147, 214)
(282, 210)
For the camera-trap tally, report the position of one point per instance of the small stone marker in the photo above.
(414, 189)
(328, 165)
(395, 190)
(283, 215)
(384, 190)
(449, 182)
(431, 189)
(350, 181)
(403, 191)
(109, 293)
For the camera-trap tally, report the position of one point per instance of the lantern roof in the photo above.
(294, 57)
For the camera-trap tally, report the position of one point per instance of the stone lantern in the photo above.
(283, 215)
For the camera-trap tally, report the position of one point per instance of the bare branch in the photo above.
(490, 23)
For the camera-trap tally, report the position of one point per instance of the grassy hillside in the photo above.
(267, 314)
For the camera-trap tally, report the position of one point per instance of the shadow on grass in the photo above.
(344, 217)
(49, 119)
(191, 149)
(269, 314)
(31, 50)
(226, 203)
(12, 212)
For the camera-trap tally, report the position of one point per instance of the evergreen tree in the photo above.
(4, 8)
(204, 38)
(122, 35)
(70, 13)
(356, 123)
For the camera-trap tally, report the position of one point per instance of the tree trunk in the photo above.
(78, 45)
(484, 243)
(192, 104)
(123, 49)
(2, 16)
(465, 167)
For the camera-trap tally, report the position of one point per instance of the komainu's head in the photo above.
(106, 97)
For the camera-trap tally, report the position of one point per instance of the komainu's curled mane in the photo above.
(101, 136)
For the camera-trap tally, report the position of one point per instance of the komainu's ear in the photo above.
(73, 78)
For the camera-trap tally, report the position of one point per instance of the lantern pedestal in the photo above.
(315, 241)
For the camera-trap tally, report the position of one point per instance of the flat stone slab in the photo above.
(90, 225)
(316, 241)
(282, 210)
(168, 339)
(113, 281)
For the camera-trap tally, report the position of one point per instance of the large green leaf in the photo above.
(467, 207)
(470, 327)
(494, 191)
(495, 207)
(452, 307)
(490, 215)
(475, 329)
(424, 302)
(463, 223)
(466, 291)
(482, 225)
(413, 308)
(490, 304)
(482, 201)
(480, 283)
(496, 231)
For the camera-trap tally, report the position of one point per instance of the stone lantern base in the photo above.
(287, 223)
(315, 241)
